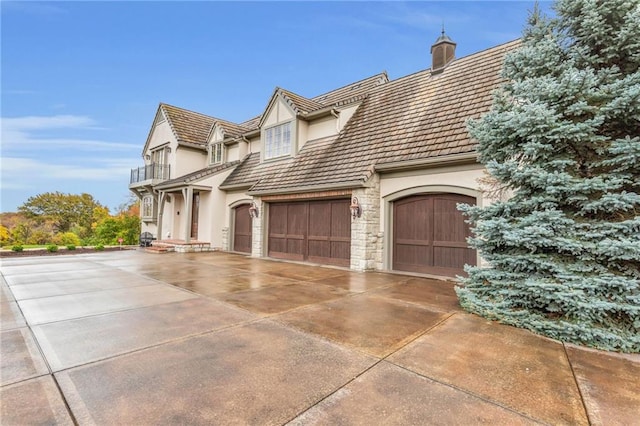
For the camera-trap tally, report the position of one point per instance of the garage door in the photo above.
(242, 229)
(429, 235)
(314, 231)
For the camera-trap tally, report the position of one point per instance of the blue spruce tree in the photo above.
(563, 137)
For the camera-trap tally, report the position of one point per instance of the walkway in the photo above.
(214, 338)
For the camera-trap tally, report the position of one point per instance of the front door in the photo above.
(194, 215)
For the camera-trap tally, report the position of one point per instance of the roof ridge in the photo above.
(187, 110)
(380, 74)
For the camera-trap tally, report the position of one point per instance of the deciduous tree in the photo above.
(64, 210)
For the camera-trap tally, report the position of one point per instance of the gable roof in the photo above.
(231, 130)
(343, 95)
(189, 127)
(300, 104)
(192, 128)
(415, 118)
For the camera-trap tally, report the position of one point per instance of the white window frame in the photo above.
(278, 140)
(216, 153)
(147, 207)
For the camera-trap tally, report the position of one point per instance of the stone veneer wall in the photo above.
(225, 239)
(366, 238)
(257, 229)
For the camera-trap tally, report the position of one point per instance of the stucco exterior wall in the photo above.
(188, 160)
(278, 113)
(233, 152)
(162, 134)
(302, 128)
(345, 115)
(322, 128)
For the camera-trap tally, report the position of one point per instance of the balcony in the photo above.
(150, 174)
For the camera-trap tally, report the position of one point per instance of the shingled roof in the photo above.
(417, 117)
(352, 91)
(188, 126)
(197, 175)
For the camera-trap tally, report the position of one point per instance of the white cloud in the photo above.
(21, 171)
(20, 133)
(34, 122)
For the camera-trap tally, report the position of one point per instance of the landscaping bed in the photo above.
(61, 251)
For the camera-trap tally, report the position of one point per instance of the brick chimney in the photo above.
(442, 52)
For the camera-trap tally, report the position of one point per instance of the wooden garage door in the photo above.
(242, 229)
(429, 235)
(314, 231)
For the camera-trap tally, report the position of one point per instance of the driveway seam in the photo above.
(575, 379)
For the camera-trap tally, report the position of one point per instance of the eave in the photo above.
(422, 163)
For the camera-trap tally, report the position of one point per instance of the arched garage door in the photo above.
(242, 229)
(429, 235)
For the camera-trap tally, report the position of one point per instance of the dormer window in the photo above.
(277, 142)
(215, 153)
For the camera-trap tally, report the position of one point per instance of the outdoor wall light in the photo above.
(356, 210)
(253, 210)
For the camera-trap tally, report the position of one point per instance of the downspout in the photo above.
(188, 200)
(163, 197)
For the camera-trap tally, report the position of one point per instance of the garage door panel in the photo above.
(297, 219)
(447, 257)
(340, 220)
(341, 250)
(319, 249)
(449, 224)
(319, 220)
(317, 231)
(278, 219)
(430, 235)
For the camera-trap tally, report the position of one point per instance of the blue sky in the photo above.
(81, 81)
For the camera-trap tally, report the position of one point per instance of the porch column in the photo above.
(187, 193)
(162, 198)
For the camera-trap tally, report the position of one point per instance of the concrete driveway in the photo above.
(216, 338)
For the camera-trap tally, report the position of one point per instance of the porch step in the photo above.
(158, 249)
(180, 246)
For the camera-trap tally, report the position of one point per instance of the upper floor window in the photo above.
(160, 156)
(215, 153)
(277, 141)
(148, 210)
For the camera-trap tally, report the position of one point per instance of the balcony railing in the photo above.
(153, 171)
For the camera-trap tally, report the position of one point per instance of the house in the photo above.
(366, 176)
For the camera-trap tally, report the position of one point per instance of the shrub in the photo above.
(52, 248)
(66, 238)
(17, 248)
(99, 247)
(71, 247)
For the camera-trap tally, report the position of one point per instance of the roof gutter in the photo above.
(319, 113)
(192, 145)
(448, 160)
(237, 186)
